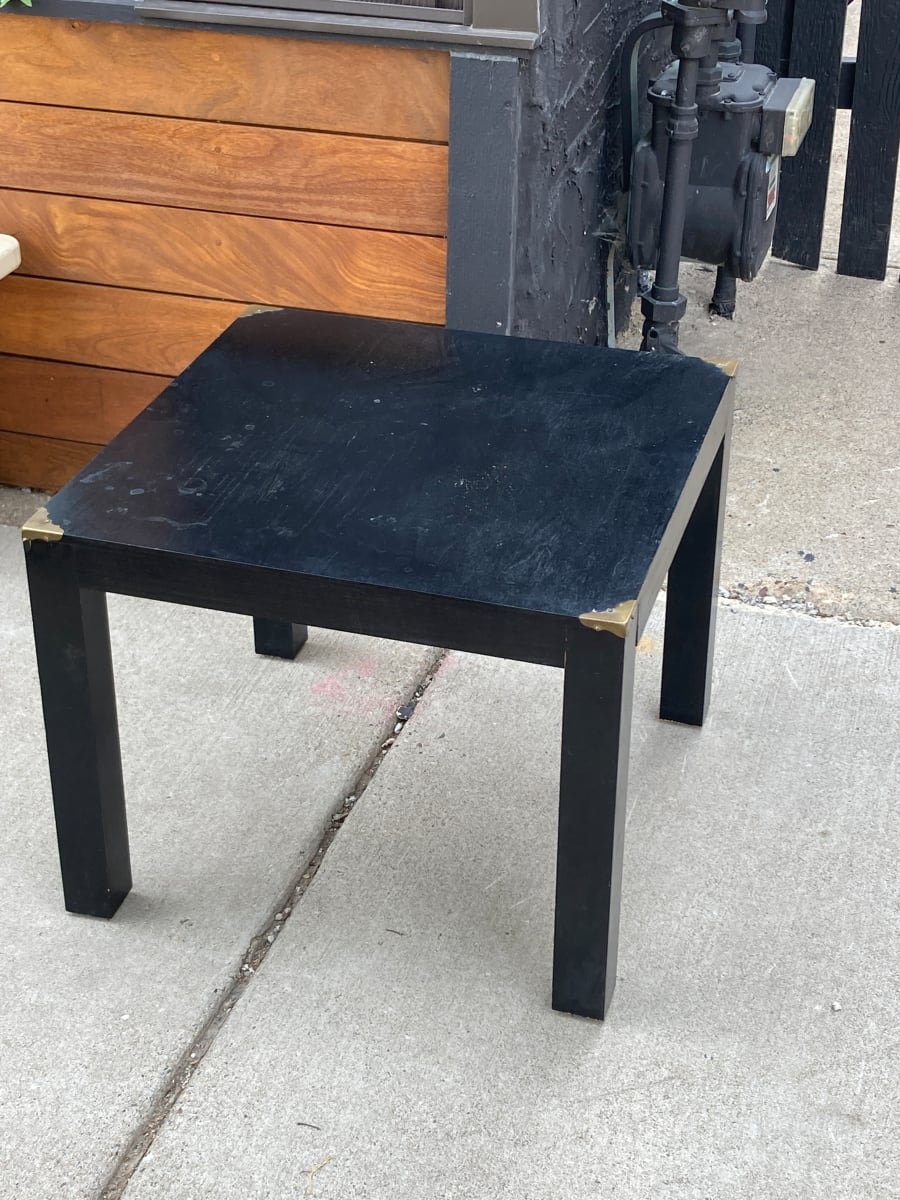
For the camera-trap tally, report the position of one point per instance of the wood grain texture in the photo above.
(329, 178)
(76, 403)
(291, 82)
(108, 327)
(228, 257)
(40, 462)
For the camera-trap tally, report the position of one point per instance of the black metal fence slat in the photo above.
(816, 50)
(874, 144)
(773, 40)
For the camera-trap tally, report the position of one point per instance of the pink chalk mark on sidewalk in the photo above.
(367, 666)
(340, 690)
(329, 688)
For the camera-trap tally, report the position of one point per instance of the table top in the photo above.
(529, 474)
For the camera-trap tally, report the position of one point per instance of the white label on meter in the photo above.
(773, 170)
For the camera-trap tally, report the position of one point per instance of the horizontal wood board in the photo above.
(41, 462)
(373, 183)
(296, 83)
(108, 327)
(65, 400)
(227, 257)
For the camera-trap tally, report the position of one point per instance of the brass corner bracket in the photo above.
(728, 365)
(611, 620)
(39, 528)
(253, 310)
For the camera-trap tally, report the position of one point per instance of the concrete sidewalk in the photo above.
(233, 766)
(398, 1039)
(400, 1034)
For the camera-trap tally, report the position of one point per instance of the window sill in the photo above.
(308, 22)
(285, 21)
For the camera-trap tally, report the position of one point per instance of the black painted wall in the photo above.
(569, 170)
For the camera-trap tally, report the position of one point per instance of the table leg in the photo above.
(691, 598)
(599, 679)
(76, 675)
(279, 639)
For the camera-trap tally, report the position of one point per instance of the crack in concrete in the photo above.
(178, 1079)
(806, 600)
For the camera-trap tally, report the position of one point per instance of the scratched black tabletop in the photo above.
(530, 474)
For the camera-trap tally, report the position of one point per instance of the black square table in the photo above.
(498, 495)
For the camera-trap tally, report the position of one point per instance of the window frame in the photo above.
(504, 23)
(370, 9)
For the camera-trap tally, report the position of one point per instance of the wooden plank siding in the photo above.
(41, 462)
(222, 256)
(98, 401)
(333, 86)
(374, 183)
(161, 180)
(123, 328)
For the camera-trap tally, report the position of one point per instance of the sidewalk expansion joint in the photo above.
(179, 1077)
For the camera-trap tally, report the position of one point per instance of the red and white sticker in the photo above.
(773, 170)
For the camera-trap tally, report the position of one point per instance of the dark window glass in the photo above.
(410, 10)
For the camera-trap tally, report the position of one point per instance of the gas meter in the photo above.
(703, 182)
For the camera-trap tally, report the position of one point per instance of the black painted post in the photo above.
(691, 599)
(816, 49)
(484, 181)
(773, 39)
(599, 680)
(78, 695)
(874, 144)
(278, 639)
